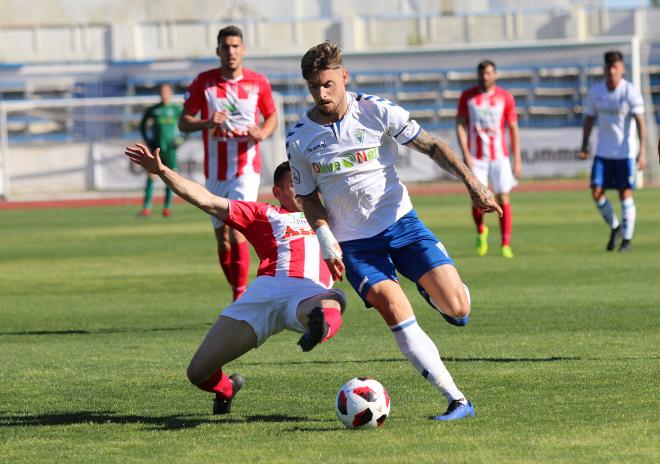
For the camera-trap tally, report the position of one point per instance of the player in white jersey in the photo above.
(293, 285)
(621, 146)
(345, 149)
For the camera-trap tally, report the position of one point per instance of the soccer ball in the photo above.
(362, 403)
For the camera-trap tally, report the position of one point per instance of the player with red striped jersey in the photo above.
(293, 285)
(229, 100)
(484, 112)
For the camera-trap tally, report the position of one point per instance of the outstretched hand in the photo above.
(336, 267)
(483, 199)
(142, 156)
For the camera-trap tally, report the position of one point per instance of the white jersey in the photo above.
(352, 163)
(617, 130)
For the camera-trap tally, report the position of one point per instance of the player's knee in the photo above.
(597, 195)
(458, 308)
(458, 305)
(195, 373)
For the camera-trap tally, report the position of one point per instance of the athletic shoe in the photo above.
(482, 242)
(166, 213)
(614, 236)
(456, 410)
(317, 330)
(506, 251)
(223, 406)
(626, 246)
(144, 213)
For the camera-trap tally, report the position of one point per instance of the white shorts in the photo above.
(245, 187)
(498, 171)
(269, 304)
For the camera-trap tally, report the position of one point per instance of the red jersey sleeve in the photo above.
(510, 114)
(244, 213)
(265, 101)
(463, 106)
(194, 97)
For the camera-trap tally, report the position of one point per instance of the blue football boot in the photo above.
(457, 410)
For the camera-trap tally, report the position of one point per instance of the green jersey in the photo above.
(159, 125)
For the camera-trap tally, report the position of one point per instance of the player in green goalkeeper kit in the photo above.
(159, 129)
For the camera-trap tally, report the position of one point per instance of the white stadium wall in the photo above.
(51, 47)
(34, 31)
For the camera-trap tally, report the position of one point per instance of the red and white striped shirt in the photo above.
(285, 243)
(487, 114)
(228, 158)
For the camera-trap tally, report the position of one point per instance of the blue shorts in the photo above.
(617, 174)
(407, 246)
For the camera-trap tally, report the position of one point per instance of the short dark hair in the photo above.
(612, 57)
(230, 31)
(484, 64)
(280, 172)
(326, 55)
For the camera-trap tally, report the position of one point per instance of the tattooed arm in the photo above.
(445, 157)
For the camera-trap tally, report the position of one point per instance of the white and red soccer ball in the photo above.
(362, 403)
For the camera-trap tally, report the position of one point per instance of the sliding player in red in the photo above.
(293, 285)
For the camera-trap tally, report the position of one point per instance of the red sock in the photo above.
(333, 319)
(240, 267)
(219, 384)
(478, 217)
(224, 257)
(505, 224)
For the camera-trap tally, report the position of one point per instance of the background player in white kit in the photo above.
(621, 146)
(228, 99)
(292, 288)
(484, 111)
(345, 149)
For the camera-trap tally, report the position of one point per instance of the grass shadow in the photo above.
(173, 422)
(103, 331)
(398, 360)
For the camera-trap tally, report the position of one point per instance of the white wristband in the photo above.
(327, 242)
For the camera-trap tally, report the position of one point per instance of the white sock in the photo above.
(420, 350)
(628, 216)
(605, 208)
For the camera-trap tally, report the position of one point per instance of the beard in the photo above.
(327, 110)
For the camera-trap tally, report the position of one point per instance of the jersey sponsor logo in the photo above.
(231, 107)
(326, 168)
(486, 121)
(290, 232)
(316, 147)
(347, 161)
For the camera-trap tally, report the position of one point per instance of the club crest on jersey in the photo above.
(359, 135)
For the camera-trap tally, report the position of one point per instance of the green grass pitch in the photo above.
(100, 313)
